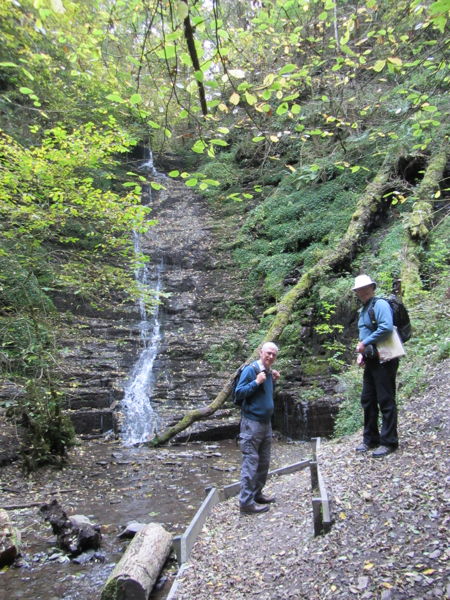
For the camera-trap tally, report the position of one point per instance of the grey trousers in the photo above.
(255, 441)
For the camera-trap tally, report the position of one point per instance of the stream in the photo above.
(114, 485)
(117, 481)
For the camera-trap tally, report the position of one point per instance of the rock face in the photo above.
(201, 298)
(301, 419)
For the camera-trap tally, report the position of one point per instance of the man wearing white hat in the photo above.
(378, 393)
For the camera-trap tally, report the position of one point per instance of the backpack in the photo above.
(239, 401)
(400, 317)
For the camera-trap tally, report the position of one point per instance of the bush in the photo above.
(350, 416)
(49, 433)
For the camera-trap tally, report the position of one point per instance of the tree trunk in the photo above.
(190, 41)
(137, 571)
(366, 208)
(419, 223)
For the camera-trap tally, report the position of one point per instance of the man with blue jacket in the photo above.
(378, 392)
(255, 389)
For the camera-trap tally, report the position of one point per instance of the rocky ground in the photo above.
(389, 540)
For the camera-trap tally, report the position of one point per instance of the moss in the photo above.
(313, 367)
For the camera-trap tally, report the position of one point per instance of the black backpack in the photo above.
(239, 401)
(400, 317)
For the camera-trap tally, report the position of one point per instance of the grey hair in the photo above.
(266, 344)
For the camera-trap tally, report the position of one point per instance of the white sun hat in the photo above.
(362, 281)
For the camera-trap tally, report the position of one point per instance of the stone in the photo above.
(9, 540)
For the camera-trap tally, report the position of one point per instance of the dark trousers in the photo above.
(378, 395)
(255, 441)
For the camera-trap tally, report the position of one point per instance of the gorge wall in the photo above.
(200, 285)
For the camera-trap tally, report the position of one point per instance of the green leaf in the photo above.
(199, 146)
(156, 186)
(287, 69)
(175, 173)
(8, 64)
(168, 52)
(250, 98)
(25, 90)
(218, 142)
(258, 138)
(191, 182)
(136, 99)
(154, 125)
(115, 97)
(282, 109)
(379, 66)
(181, 10)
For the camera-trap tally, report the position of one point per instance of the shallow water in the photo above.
(114, 485)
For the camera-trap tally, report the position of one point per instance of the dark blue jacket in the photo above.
(257, 398)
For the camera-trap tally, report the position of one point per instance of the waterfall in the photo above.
(140, 421)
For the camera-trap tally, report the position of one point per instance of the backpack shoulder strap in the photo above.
(255, 366)
(371, 313)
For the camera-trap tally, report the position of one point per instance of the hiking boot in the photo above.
(364, 447)
(383, 451)
(261, 499)
(251, 509)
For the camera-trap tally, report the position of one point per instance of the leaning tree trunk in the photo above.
(367, 206)
(419, 224)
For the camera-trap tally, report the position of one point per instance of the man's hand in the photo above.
(275, 374)
(261, 377)
(360, 348)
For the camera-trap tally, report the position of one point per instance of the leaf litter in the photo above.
(389, 540)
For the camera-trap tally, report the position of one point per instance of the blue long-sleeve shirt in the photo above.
(257, 398)
(383, 318)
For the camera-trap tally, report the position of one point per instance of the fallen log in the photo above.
(137, 571)
(419, 223)
(366, 208)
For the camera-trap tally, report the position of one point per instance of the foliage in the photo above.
(290, 107)
(229, 351)
(49, 207)
(49, 432)
(290, 228)
(331, 332)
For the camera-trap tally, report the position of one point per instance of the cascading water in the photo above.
(140, 421)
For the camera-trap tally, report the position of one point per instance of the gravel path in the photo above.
(390, 536)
